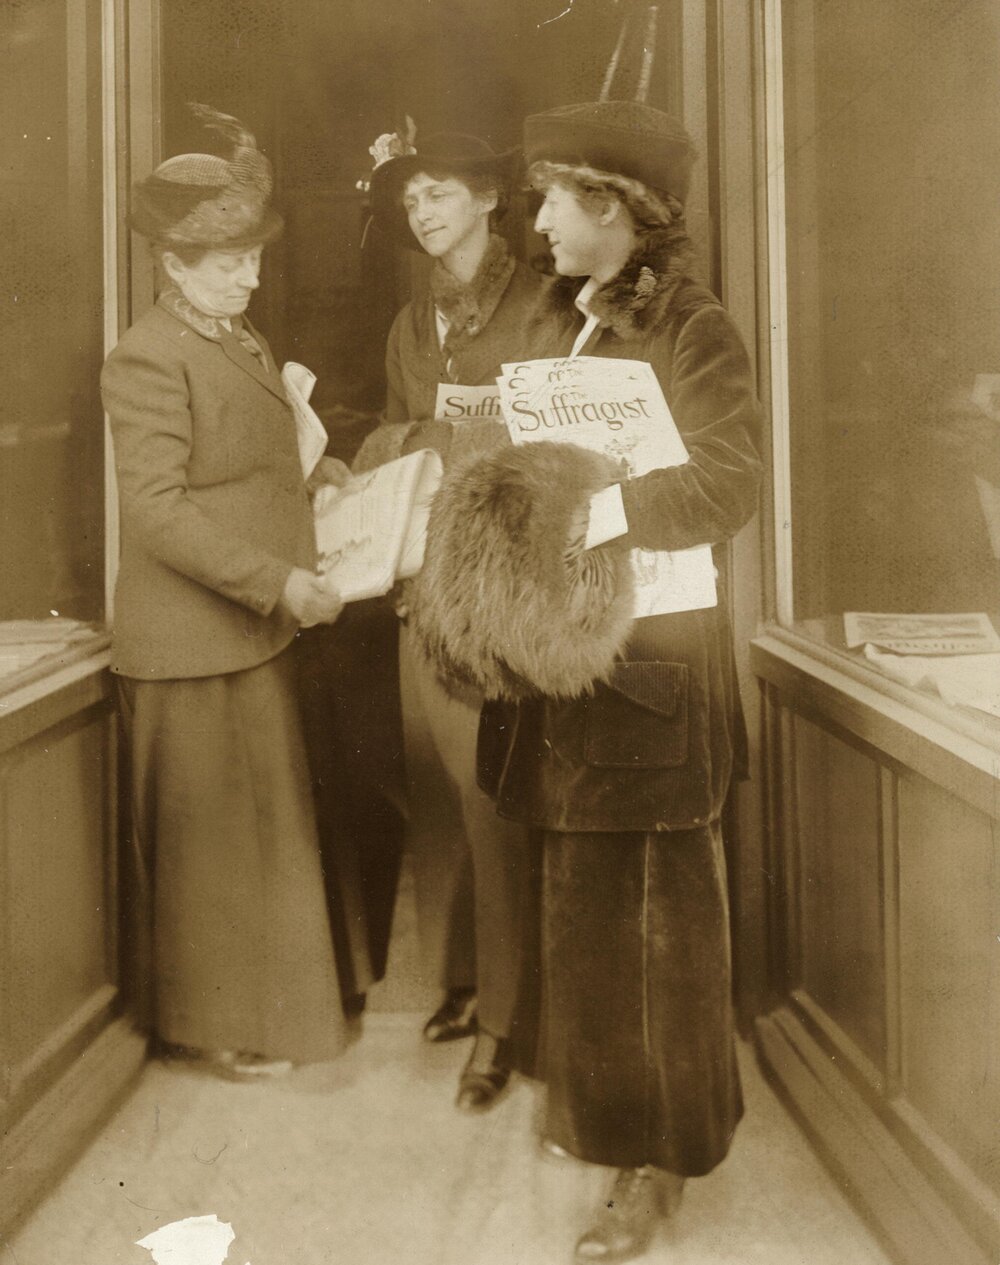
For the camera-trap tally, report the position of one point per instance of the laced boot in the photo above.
(625, 1223)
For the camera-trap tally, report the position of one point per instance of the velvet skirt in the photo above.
(241, 955)
(638, 1042)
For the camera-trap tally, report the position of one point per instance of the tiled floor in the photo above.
(366, 1162)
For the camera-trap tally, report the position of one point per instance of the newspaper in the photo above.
(310, 431)
(615, 407)
(372, 531)
(969, 680)
(458, 403)
(921, 634)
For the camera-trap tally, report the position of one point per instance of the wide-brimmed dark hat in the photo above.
(625, 138)
(208, 201)
(444, 154)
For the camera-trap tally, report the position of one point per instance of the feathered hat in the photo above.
(204, 200)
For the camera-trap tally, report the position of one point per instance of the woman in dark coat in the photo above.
(217, 574)
(472, 868)
(620, 746)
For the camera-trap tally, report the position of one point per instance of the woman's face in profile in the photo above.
(221, 283)
(573, 230)
(443, 213)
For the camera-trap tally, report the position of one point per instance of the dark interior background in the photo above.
(318, 80)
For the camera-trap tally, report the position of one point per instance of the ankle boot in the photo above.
(454, 1018)
(484, 1076)
(625, 1222)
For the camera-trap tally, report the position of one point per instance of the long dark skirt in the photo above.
(349, 697)
(638, 1040)
(242, 955)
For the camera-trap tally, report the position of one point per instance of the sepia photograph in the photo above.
(500, 632)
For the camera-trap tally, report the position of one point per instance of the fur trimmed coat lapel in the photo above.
(637, 301)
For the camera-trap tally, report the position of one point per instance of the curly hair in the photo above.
(651, 209)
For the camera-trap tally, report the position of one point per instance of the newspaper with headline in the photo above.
(615, 407)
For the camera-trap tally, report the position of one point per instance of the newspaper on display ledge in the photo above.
(615, 407)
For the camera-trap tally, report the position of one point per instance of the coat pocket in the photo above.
(639, 720)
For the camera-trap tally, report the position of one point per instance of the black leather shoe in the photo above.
(484, 1076)
(626, 1221)
(454, 1018)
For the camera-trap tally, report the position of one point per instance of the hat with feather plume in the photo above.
(205, 200)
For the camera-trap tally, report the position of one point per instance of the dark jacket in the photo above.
(214, 510)
(652, 748)
(415, 365)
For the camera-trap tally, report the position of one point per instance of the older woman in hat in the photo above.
(445, 349)
(625, 732)
(217, 574)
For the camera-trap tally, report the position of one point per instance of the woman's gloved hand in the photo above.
(329, 472)
(310, 598)
(434, 433)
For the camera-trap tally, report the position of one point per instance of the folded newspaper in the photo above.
(371, 532)
(615, 407)
(298, 382)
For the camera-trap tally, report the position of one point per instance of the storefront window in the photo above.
(891, 143)
(51, 324)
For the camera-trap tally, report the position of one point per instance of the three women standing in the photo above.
(216, 575)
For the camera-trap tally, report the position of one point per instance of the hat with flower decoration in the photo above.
(205, 200)
(443, 154)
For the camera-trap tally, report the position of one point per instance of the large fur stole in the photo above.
(503, 602)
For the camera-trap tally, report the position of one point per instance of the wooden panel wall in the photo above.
(67, 1049)
(949, 1006)
(837, 860)
(884, 1032)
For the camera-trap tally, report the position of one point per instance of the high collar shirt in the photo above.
(582, 302)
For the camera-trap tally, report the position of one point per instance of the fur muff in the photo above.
(504, 601)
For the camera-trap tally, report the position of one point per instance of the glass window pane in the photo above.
(892, 142)
(51, 313)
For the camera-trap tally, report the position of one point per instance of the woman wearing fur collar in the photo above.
(615, 737)
(472, 867)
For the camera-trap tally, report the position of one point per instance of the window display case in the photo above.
(880, 135)
(890, 481)
(52, 502)
(68, 1044)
